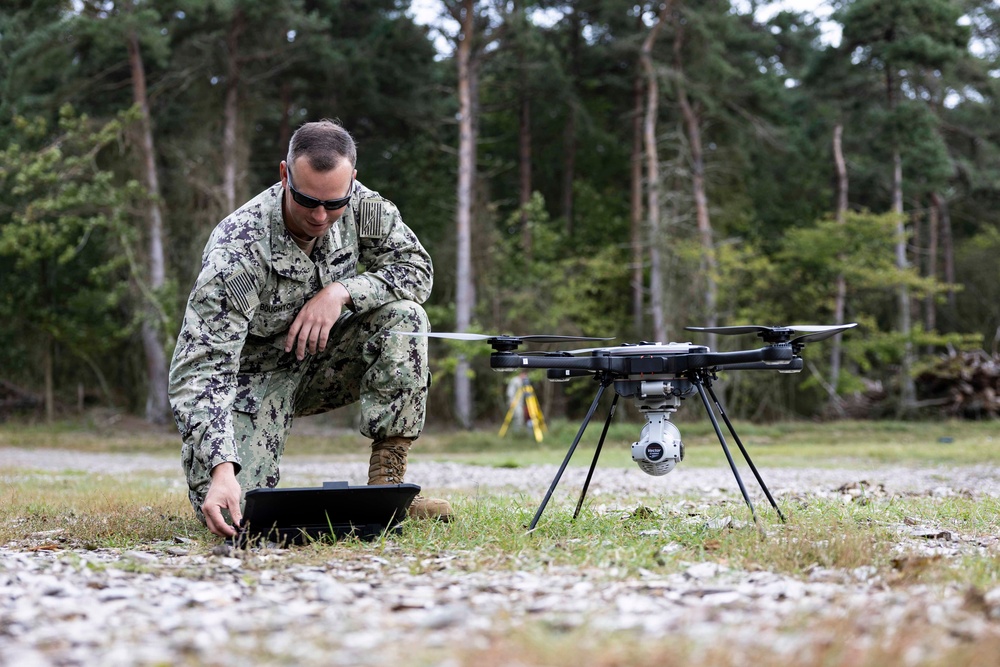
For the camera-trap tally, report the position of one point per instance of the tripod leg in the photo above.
(746, 455)
(569, 455)
(535, 414)
(722, 440)
(597, 453)
(538, 418)
(514, 404)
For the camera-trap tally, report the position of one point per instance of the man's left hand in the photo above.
(311, 328)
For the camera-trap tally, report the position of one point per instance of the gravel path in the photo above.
(173, 605)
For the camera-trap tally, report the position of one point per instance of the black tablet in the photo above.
(334, 510)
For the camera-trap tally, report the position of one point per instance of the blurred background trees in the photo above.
(588, 167)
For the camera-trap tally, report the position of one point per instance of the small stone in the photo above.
(223, 549)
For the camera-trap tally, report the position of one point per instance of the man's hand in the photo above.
(311, 328)
(223, 493)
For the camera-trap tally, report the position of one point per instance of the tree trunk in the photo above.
(908, 389)
(48, 363)
(653, 176)
(48, 342)
(524, 143)
(157, 404)
(947, 257)
(933, 234)
(840, 299)
(524, 154)
(692, 123)
(231, 112)
(569, 130)
(635, 210)
(285, 126)
(465, 295)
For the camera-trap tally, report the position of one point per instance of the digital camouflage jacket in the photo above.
(253, 282)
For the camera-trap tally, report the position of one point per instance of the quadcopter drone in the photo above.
(656, 376)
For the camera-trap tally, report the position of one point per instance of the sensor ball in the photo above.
(659, 447)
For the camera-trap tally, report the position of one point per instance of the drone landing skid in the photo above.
(702, 381)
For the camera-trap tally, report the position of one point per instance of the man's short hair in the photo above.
(324, 144)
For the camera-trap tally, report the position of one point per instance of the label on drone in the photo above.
(654, 452)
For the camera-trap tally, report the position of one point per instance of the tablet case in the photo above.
(335, 510)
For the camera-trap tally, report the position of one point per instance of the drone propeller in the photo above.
(780, 334)
(822, 335)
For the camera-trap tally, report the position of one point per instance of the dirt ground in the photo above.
(173, 604)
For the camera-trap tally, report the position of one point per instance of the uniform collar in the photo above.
(287, 259)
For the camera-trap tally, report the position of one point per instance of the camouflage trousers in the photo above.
(386, 372)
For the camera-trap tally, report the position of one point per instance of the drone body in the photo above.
(657, 377)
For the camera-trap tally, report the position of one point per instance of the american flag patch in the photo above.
(370, 219)
(242, 292)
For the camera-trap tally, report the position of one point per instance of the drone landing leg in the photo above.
(569, 455)
(698, 382)
(746, 455)
(597, 453)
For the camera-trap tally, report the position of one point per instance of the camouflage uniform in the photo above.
(233, 388)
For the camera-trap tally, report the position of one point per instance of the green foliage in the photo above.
(798, 283)
(64, 224)
(979, 303)
(556, 290)
(767, 95)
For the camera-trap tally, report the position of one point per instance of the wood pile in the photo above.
(14, 399)
(963, 384)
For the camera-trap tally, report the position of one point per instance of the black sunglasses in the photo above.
(312, 202)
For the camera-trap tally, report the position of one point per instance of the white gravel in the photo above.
(169, 604)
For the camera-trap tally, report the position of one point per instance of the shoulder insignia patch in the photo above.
(370, 219)
(242, 291)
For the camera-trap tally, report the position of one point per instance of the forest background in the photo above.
(592, 167)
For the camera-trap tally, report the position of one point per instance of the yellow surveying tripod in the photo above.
(526, 393)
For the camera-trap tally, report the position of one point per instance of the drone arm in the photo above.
(766, 357)
(793, 365)
(510, 361)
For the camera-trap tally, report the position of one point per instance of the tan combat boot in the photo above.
(388, 466)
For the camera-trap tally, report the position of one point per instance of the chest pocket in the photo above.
(341, 264)
(280, 301)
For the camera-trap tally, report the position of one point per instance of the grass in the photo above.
(100, 511)
(92, 511)
(624, 539)
(784, 444)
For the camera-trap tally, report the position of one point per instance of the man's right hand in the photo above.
(223, 494)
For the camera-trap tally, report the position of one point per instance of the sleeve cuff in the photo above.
(223, 458)
(360, 288)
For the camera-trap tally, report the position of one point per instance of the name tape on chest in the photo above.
(371, 217)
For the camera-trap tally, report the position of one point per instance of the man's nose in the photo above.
(320, 214)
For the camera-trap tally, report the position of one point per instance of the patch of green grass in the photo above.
(92, 511)
(490, 531)
(792, 443)
(133, 509)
